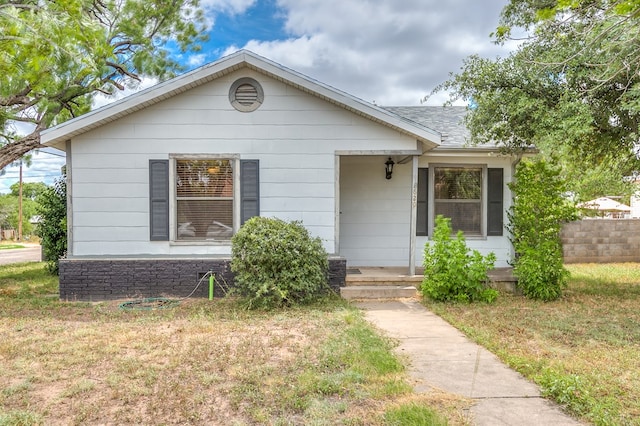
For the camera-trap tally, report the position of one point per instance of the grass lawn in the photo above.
(10, 246)
(583, 350)
(199, 362)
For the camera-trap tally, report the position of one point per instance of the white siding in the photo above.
(294, 135)
(374, 212)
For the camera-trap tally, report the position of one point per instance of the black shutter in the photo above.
(495, 207)
(423, 199)
(159, 200)
(249, 189)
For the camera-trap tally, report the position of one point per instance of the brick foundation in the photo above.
(114, 278)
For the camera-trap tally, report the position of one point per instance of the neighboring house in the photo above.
(158, 182)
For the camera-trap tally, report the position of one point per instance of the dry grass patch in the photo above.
(584, 350)
(200, 362)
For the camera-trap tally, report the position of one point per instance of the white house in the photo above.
(158, 182)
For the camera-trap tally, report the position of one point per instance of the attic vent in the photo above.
(246, 95)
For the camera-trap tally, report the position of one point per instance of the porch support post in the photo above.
(414, 215)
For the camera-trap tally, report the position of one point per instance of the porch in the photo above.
(395, 282)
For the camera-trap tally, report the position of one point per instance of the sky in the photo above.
(389, 52)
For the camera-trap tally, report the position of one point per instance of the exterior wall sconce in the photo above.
(388, 168)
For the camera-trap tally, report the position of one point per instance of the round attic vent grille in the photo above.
(246, 95)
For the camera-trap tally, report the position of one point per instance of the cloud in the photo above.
(227, 6)
(100, 100)
(196, 60)
(46, 167)
(390, 52)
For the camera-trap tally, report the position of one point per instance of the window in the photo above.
(205, 207)
(471, 196)
(204, 199)
(458, 195)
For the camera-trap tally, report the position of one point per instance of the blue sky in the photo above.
(389, 52)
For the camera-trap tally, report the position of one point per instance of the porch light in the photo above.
(388, 167)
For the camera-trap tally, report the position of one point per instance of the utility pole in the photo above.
(20, 205)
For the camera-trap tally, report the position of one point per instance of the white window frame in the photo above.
(234, 159)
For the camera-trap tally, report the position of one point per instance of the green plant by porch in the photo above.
(452, 272)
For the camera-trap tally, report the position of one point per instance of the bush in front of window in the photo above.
(453, 272)
(277, 263)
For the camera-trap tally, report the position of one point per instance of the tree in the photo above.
(535, 221)
(572, 87)
(10, 213)
(30, 190)
(56, 55)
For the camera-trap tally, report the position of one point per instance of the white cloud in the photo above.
(196, 60)
(46, 167)
(100, 100)
(227, 6)
(386, 51)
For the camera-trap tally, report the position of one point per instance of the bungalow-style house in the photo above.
(158, 182)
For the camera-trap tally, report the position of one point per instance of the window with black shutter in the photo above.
(203, 197)
(159, 200)
(495, 202)
(422, 225)
(458, 193)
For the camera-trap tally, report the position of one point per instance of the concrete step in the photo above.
(383, 280)
(378, 292)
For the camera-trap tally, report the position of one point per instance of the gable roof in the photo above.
(59, 134)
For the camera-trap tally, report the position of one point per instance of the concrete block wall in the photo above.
(601, 241)
(95, 279)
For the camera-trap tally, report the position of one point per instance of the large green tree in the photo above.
(56, 54)
(571, 87)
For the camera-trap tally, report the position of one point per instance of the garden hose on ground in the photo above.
(151, 303)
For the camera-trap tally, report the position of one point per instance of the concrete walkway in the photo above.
(441, 357)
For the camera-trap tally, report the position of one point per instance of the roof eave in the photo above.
(491, 150)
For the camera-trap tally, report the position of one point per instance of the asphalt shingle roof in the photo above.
(445, 120)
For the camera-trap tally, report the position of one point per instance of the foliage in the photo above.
(9, 212)
(536, 218)
(277, 263)
(57, 54)
(607, 178)
(451, 273)
(30, 190)
(52, 228)
(571, 88)
(9, 209)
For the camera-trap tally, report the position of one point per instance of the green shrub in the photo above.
(452, 272)
(541, 272)
(52, 228)
(535, 220)
(277, 263)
